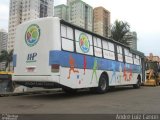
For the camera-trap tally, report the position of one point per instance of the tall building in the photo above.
(61, 11)
(24, 10)
(76, 12)
(80, 14)
(70, 1)
(3, 45)
(132, 40)
(101, 21)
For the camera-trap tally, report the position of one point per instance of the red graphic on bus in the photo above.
(72, 66)
(125, 73)
(130, 73)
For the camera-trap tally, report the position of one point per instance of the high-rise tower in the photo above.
(24, 10)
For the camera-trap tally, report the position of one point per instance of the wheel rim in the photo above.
(103, 84)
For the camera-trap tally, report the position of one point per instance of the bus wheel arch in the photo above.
(138, 84)
(103, 84)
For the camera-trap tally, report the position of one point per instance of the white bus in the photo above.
(50, 53)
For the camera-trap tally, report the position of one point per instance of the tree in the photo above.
(6, 57)
(119, 32)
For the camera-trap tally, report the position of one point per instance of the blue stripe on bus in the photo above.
(63, 57)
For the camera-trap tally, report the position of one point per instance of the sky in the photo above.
(142, 15)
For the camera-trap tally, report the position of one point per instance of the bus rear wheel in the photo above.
(103, 85)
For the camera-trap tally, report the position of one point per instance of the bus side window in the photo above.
(97, 46)
(63, 31)
(111, 46)
(128, 56)
(131, 57)
(136, 60)
(119, 53)
(67, 38)
(108, 50)
(80, 36)
(111, 50)
(134, 56)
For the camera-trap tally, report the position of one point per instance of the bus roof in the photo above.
(137, 53)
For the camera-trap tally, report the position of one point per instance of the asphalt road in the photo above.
(119, 101)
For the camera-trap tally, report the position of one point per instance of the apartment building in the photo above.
(61, 11)
(76, 12)
(101, 21)
(3, 45)
(24, 10)
(132, 40)
(80, 14)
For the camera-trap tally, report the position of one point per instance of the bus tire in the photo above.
(138, 84)
(103, 85)
(69, 90)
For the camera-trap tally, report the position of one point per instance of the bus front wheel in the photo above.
(103, 85)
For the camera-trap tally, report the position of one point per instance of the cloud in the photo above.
(4, 16)
(4, 11)
(57, 2)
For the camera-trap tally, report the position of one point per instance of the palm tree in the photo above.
(6, 57)
(119, 31)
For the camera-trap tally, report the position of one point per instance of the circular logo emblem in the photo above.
(32, 35)
(84, 43)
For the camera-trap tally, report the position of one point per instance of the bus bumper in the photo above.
(37, 81)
